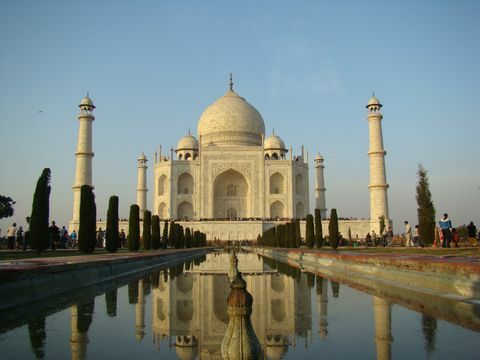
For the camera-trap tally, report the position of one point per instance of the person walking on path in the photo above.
(408, 234)
(73, 239)
(416, 236)
(446, 227)
(122, 238)
(472, 234)
(11, 232)
(54, 235)
(20, 238)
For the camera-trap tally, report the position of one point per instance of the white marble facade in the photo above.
(231, 171)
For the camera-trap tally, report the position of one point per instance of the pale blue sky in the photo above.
(309, 67)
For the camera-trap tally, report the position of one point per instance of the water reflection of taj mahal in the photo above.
(192, 308)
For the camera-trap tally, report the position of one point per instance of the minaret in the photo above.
(378, 178)
(322, 303)
(140, 312)
(84, 154)
(383, 328)
(320, 202)
(142, 184)
(78, 339)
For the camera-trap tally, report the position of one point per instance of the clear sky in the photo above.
(309, 67)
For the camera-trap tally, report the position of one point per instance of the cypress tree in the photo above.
(318, 229)
(182, 237)
(38, 335)
(291, 230)
(133, 292)
(134, 228)
(165, 234)
(310, 236)
(155, 232)
(111, 302)
(188, 238)
(298, 236)
(335, 288)
(171, 235)
(88, 220)
(425, 210)
(111, 234)
(333, 234)
(147, 230)
(40, 212)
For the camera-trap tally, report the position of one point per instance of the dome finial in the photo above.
(273, 131)
(88, 94)
(231, 82)
(188, 131)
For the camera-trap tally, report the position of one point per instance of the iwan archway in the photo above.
(231, 195)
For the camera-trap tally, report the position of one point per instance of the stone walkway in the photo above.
(33, 264)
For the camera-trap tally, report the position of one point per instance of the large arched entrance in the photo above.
(230, 196)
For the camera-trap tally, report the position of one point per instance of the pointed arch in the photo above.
(276, 209)
(162, 185)
(300, 210)
(185, 183)
(162, 211)
(185, 211)
(277, 184)
(230, 195)
(299, 184)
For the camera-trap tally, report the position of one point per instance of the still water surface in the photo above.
(181, 313)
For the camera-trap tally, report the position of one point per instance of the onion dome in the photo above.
(373, 102)
(273, 142)
(231, 120)
(188, 142)
(142, 157)
(187, 348)
(86, 101)
(319, 157)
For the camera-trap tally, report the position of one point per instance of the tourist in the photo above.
(368, 239)
(11, 232)
(20, 238)
(54, 235)
(408, 234)
(472, 234)
(374, 238)
(73, 239)
(455, 237)
(100, 238)
(416, 236)
(27, 233)
(446, 227)
(63, 238)
(122, 238)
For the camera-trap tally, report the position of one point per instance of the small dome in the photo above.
(188, 142)
(231, 120)
(319, 157)
(87, 101)
(373, 101)
(142, 157)
(274, 142)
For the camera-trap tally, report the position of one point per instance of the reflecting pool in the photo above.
(181, 313)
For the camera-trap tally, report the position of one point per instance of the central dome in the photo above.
(231, 120)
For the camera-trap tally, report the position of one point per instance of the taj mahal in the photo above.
(232, 181)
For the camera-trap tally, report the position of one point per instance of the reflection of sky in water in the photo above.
(277, 298)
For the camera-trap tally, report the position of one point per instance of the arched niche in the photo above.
(276, 209)
(185, 211)
(277, 184)
(300, 210)
(185, 184)
(162, 211)
(299, 184)
(230, 195)
(162, 185)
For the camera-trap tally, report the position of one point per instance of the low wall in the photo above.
(249, 230)
(445, 277)
(44, 279)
